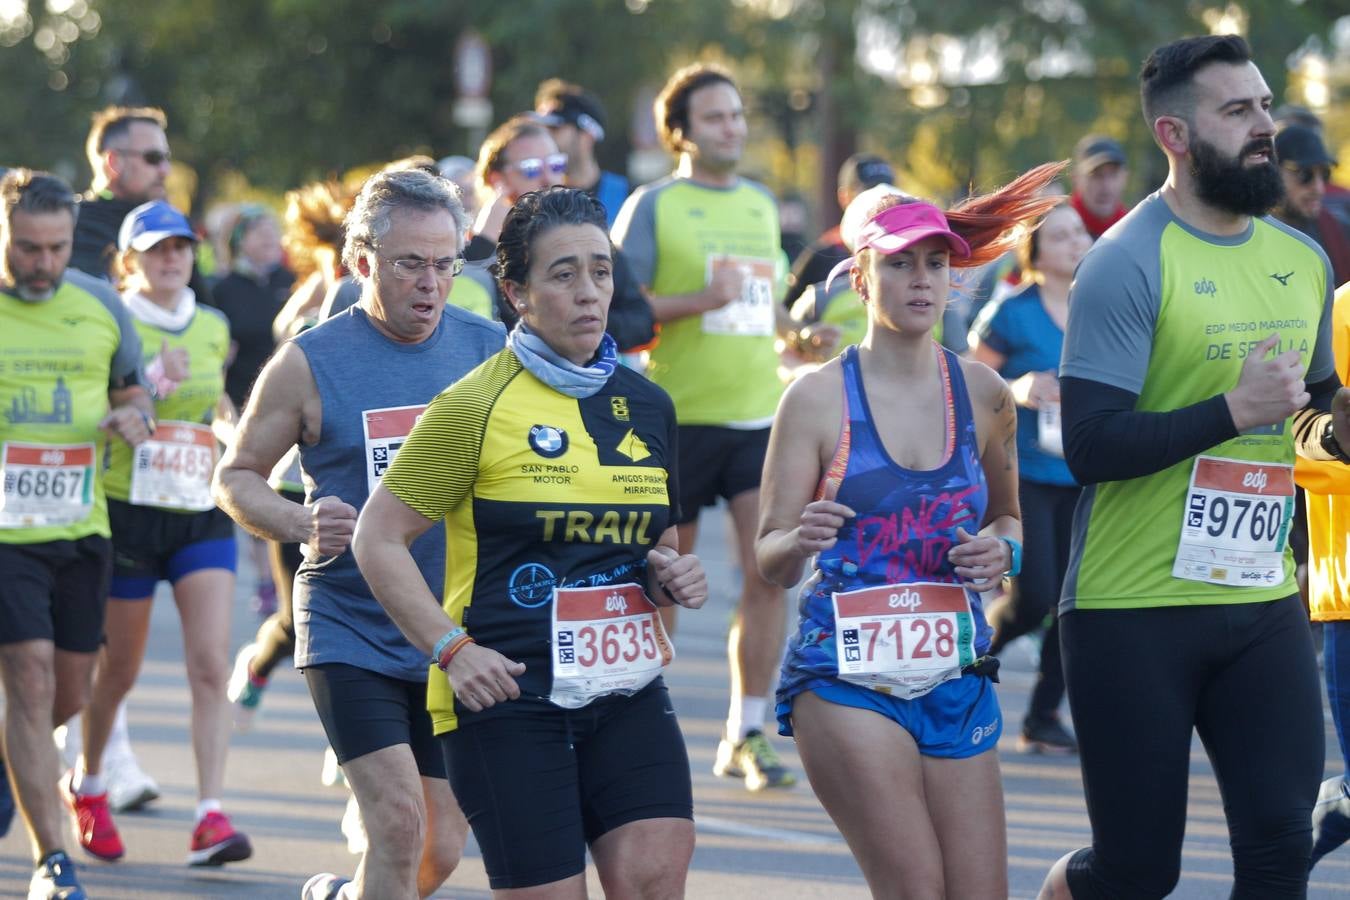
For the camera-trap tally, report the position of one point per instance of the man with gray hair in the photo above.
(348, 392)
(69, 379)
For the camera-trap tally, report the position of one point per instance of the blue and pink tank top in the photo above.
(906, 521)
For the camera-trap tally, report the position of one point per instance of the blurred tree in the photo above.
(958, 93)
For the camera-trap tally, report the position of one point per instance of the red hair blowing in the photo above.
(995, 223)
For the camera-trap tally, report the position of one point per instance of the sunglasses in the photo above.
(1305, 174)
(151, 157)
(533, 167)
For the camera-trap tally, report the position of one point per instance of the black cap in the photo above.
(581, 109)
(864, 170)
(1302, 146)
(1097, 150)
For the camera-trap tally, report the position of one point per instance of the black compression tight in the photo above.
(1244, 676)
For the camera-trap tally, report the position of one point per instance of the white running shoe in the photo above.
(128, 786)
(324, 886)
(354, 828)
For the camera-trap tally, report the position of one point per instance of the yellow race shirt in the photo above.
(538, 491)
(720, 368)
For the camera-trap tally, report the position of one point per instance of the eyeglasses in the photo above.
(151, 157)
(407, 267)
(1305, 174)
(533, 167)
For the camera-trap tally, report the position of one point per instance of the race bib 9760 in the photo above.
(1236, 522)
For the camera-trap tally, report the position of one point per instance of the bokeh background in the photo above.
(263, 95)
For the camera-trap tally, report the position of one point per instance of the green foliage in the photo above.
(289, 90)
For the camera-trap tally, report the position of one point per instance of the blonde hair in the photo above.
(314, 219)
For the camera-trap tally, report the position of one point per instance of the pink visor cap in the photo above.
(898, 227)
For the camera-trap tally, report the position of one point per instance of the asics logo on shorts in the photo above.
(906, 599)
(982, 732)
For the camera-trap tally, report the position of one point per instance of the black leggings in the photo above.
(1244, 676)
(276, 635)
(1047, 523)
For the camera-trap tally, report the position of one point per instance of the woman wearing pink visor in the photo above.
(892, 470)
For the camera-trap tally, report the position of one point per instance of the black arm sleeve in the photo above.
(1106, 439)
(630, 315)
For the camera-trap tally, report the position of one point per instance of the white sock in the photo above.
(744, 715)
(86, 785)
(347, 892)
(209, 805)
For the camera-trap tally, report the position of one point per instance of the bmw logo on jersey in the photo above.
(547, 441)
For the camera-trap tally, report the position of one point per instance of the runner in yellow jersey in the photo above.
(553, 469)
(704, 243)
(68, 352)
(166, 527)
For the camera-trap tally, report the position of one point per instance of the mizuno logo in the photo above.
(1282, 279)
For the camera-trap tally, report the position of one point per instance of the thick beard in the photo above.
(1227, 184)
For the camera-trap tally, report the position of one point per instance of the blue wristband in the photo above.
(1015, 546)
(452, 635)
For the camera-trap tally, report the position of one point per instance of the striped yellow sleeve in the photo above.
(437, 466)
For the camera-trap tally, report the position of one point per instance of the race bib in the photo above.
(46, 484)
(173, 467)
(752, 312)
(1236, 522)
(904, 639)
(606, 640)
(1049, 434)
(386, 430)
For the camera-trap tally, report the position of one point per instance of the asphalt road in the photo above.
(777, 844)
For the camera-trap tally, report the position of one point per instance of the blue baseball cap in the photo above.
(148, 224)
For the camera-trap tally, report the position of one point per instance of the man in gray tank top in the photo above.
(347, 392)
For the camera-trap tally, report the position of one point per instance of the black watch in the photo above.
(1332, 446)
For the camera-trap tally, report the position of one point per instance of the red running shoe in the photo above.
(215, 842)
(94, 827)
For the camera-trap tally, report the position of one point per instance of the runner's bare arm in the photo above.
(132, 414)
(675, 578)
(384, 532)
(985, 556)
(792, 525)
(283, 410)
(481, 677)
(723, 287)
